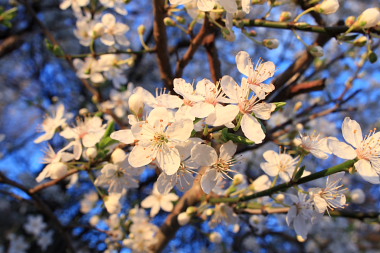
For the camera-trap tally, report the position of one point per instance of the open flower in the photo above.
(316, 145)
(157, 201)
(156, 139)
(256, 74)
(331, 196)
(118, 175)
(50, 124)
(247, 105)
(205, 155)
(281, 164)
(366, 150)
(300, 213)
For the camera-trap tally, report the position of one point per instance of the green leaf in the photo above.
(279, 105)
(299, 173)
(57, 50)
(226, 136)
(110, 129)
(107, 141)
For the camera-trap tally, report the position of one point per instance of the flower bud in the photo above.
(183, 218)
(271, 43)
(238, 179)
(280, 197)
(57, 170)
(83, 111)
(136, 104)
(297, 106)
(360, 42)
(369, 18)
(91, 153)
(191, 210)
(299, 126)
(252, 33)
(372, 56)
(285, 16)
(215, 237)
(358, 196)
(316, 51)
(169, 22)
(180, 19)
(300, 238)
(94, 220)
(327, 7)
(141, 29)
(350, 20)
(209, 212)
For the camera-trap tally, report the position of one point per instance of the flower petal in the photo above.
(366, 171)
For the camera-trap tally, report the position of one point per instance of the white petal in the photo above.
(229, 6)
(243, 62)
(168, 159)
(230, 87)
(352, 132)
(141, 156)
(227, 150)
(208, 180)
(252, 128)
(223, 115)
(109, 20)
(263, 110)
(366, 171)
(300, 226)
(204, 155)
(125, 136)
(206, 5)
(341, 149)
(202, 109)
(180, 130)
(165, 183)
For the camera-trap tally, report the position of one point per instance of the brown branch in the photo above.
(40, 187)
(301, 88)
(171, 226)
(194, 45)
(160, 36)
(212, 55)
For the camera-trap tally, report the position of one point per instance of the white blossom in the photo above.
(157, 201)
(35, 225)
(366, 150)
(279, 164)
(50, 124)
(331, 196)
(219, 167)
(314, 144)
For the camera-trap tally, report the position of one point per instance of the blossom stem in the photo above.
(282, 187)
(303, 13)
(302, 156)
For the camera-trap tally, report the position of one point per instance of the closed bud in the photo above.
(94, 220)
(209, 212)
(136, 104)
(57, 170)
(300, 238)
(252, 33)
(191, 210)
(183, 219)
(141, 29)
(362, 41)
(358, 196)
(280, 197)
(271, 43)
(369, 18)
(180, 19)
(350, 20)
(169, 22)
(285, 16)
(316, 51)
(299, 126)
(327, 7)
(215, 237)
(297, 106)
(91, 153)
(238, 179)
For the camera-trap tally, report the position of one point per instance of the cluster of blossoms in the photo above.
(105, 28)
(35, 227)
(197, 132)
